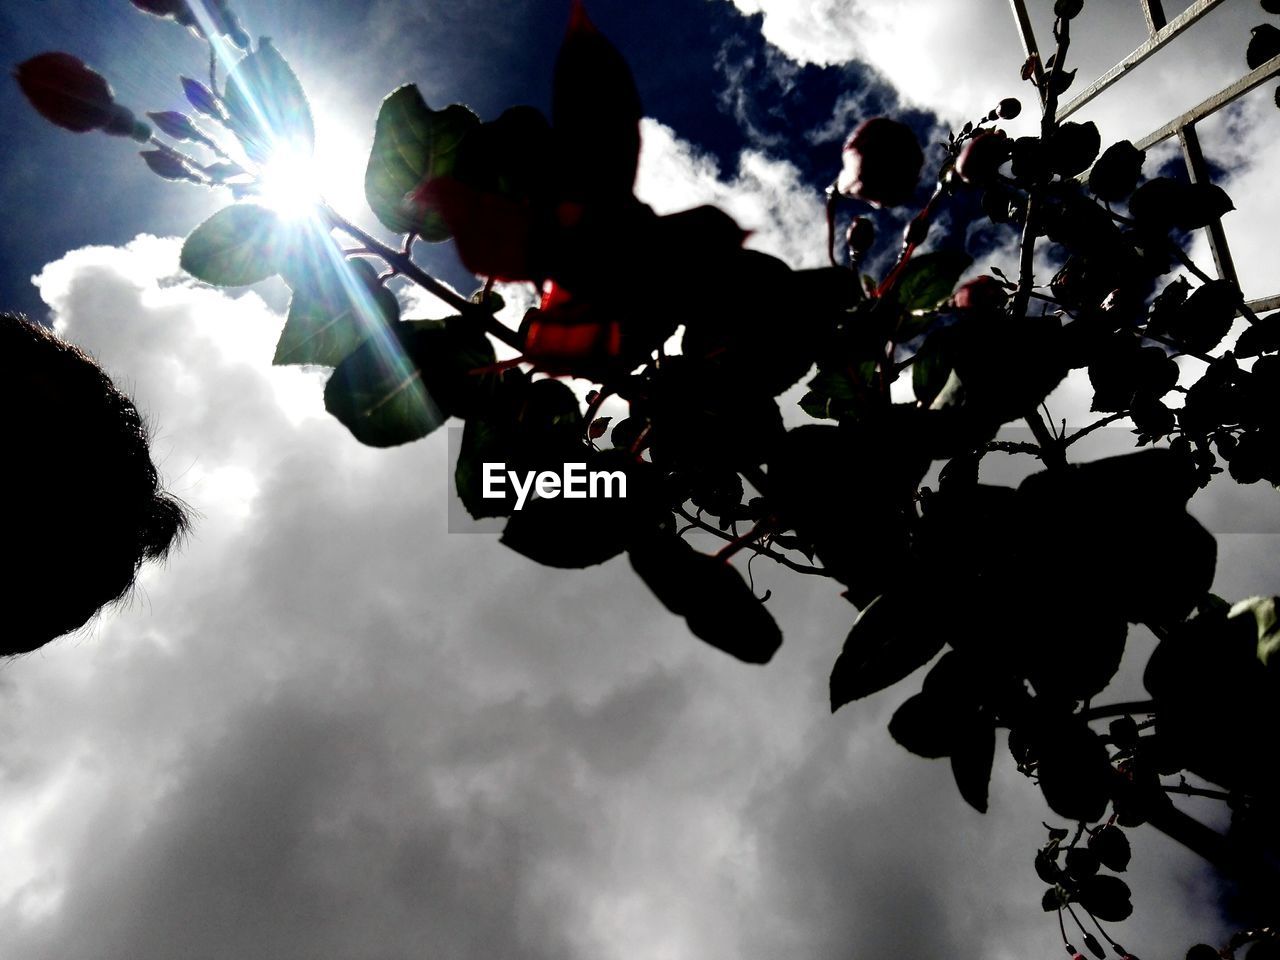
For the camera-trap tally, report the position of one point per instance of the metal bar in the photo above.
(1153, 10)
(1157, 40)
(1213, 104)
(1199, 172)
(1264, 304)
(1029, 45)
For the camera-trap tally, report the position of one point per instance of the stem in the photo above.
(1097, 424)
(1122, 709)
(403, 264)
(758, 548)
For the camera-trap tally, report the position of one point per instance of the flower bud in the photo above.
(984, 294)
(860, 236)
(882, 161)
(66, 92)
(982, 156)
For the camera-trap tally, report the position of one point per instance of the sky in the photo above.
(329, 728)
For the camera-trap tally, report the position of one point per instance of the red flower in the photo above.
(984, 294)
(882, 161)
(66, 92)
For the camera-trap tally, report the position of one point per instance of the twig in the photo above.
(758, 548)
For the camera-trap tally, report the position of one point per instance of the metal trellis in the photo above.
(1161, 31)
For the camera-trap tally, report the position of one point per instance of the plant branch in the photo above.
(403, 264)
(758, 548)
(1122, 709)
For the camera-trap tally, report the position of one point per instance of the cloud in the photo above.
(766, 196)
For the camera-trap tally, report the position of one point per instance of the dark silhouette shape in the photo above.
(83, 500)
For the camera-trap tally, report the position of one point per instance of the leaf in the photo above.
(266, 106)
(929, 278)
(332, 318)
(1262, 610)
(1052, 899)
(1106, 897)
(971, 760)
(1204, 319)
(1261, 337)
(1264, 44)
(595, 110)
(1074, 147)
(894, 636)
(710, 594)
(1074, 771)
(922, 727)
(412, 144)
(1081, 863)
(1117, 171)
(1111, 847)
(236, 246)
(378, 394)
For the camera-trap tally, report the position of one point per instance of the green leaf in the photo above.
(930, 278)
(328, 321)
(1262, 610)
(710, 594)
(894, 636)
(236, 246)
(412, 143)
(266, 106)
(379, 395)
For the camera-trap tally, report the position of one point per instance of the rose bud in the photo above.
(982, 156)
(860, 236)
(984, 294)
(66, 92)
(882, 161)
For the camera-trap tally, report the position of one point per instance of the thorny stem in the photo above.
(757, 547)
(403, 264)
(1054, 455)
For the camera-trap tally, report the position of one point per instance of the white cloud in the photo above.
(333, 730)
(764, 195)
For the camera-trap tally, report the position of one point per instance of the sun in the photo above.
(296, 181)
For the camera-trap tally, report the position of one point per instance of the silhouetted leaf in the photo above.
(1205, 318)
(930, 277)
(894, 636)
(236, 246)
(412, 144)
(1261, 337)
(1074, 771)
(596, 112)
(1264, 43)
(1116, 173)
(710, 594)
(971, 760)
(1081, 863)
(573, 533)
(1074, 147)
(1106, 897)
(1052, 899)
(266, 106)
(921, 727)
(1111, 847)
